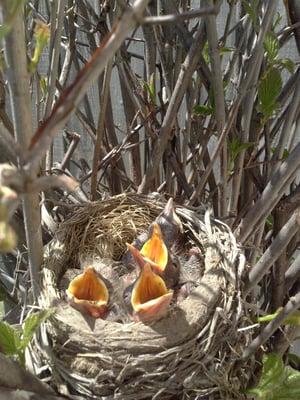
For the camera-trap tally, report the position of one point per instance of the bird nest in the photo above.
(192, 353)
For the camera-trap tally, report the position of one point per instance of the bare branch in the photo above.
(293, 273)
(273, 252)
(176, 18)
(270, 196)
(100, 129)
(217, 83)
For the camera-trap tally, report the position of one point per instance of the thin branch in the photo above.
(273, 252)
(178, 18)
(293, 273)
(289, 120)
(100, 129)
(8, 147)
(212, 37)
(267, 332)
(74, 143)
(271, 195)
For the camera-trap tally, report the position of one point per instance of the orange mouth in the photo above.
(150, 297)
(155, 249)
(88, 293)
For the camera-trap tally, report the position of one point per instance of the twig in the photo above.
(273, 252)
(8, 147)
(75, 140)
(217, 83)
(293, 273)
(277, 288)
(291, 306)
(289, 120)
(57, 19)
(56, 23)
(100, 129)
(176, 18)
(272, 194)
(71, 97)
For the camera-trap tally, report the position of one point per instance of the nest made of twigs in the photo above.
(192, 353)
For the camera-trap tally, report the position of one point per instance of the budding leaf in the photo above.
(268, 91)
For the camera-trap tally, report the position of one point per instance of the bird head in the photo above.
(88, 293)
(150, 298)
(155, 249)
(170, 223)
(151, 256)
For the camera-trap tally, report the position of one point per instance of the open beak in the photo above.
(150, 298)
(155, 249)
(142, 260)
(88, 293)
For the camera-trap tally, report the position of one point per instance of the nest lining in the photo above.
(189, 354)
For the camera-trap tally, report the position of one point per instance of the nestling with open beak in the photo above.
(171, 228)
(162, 261)
(88, 293)
(148, 298)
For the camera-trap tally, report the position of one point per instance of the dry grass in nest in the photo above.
(192, 353)
(102, 228)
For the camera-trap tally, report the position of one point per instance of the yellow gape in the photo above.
(150, 297)
(88, 293)
(155, 249)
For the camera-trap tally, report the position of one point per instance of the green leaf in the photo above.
(270, 317)
(277, 20)
(150, 89)
(251, 10)
(268, 91)
(277, 382)
(269, 225)
(290, 388)
(224, 50)
(236, 147)
(287, 64)
(44, 87)
(292, 319)
(202, 110)
(206, 53)
(9, 339)
(41, 36)
(285, 153)
(31, 324)
(271, 45)
(272, 376)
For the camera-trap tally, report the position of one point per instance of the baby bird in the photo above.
(88, 293)
(148, 298)
(171, 228)
(170, 225)
(162, 261)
